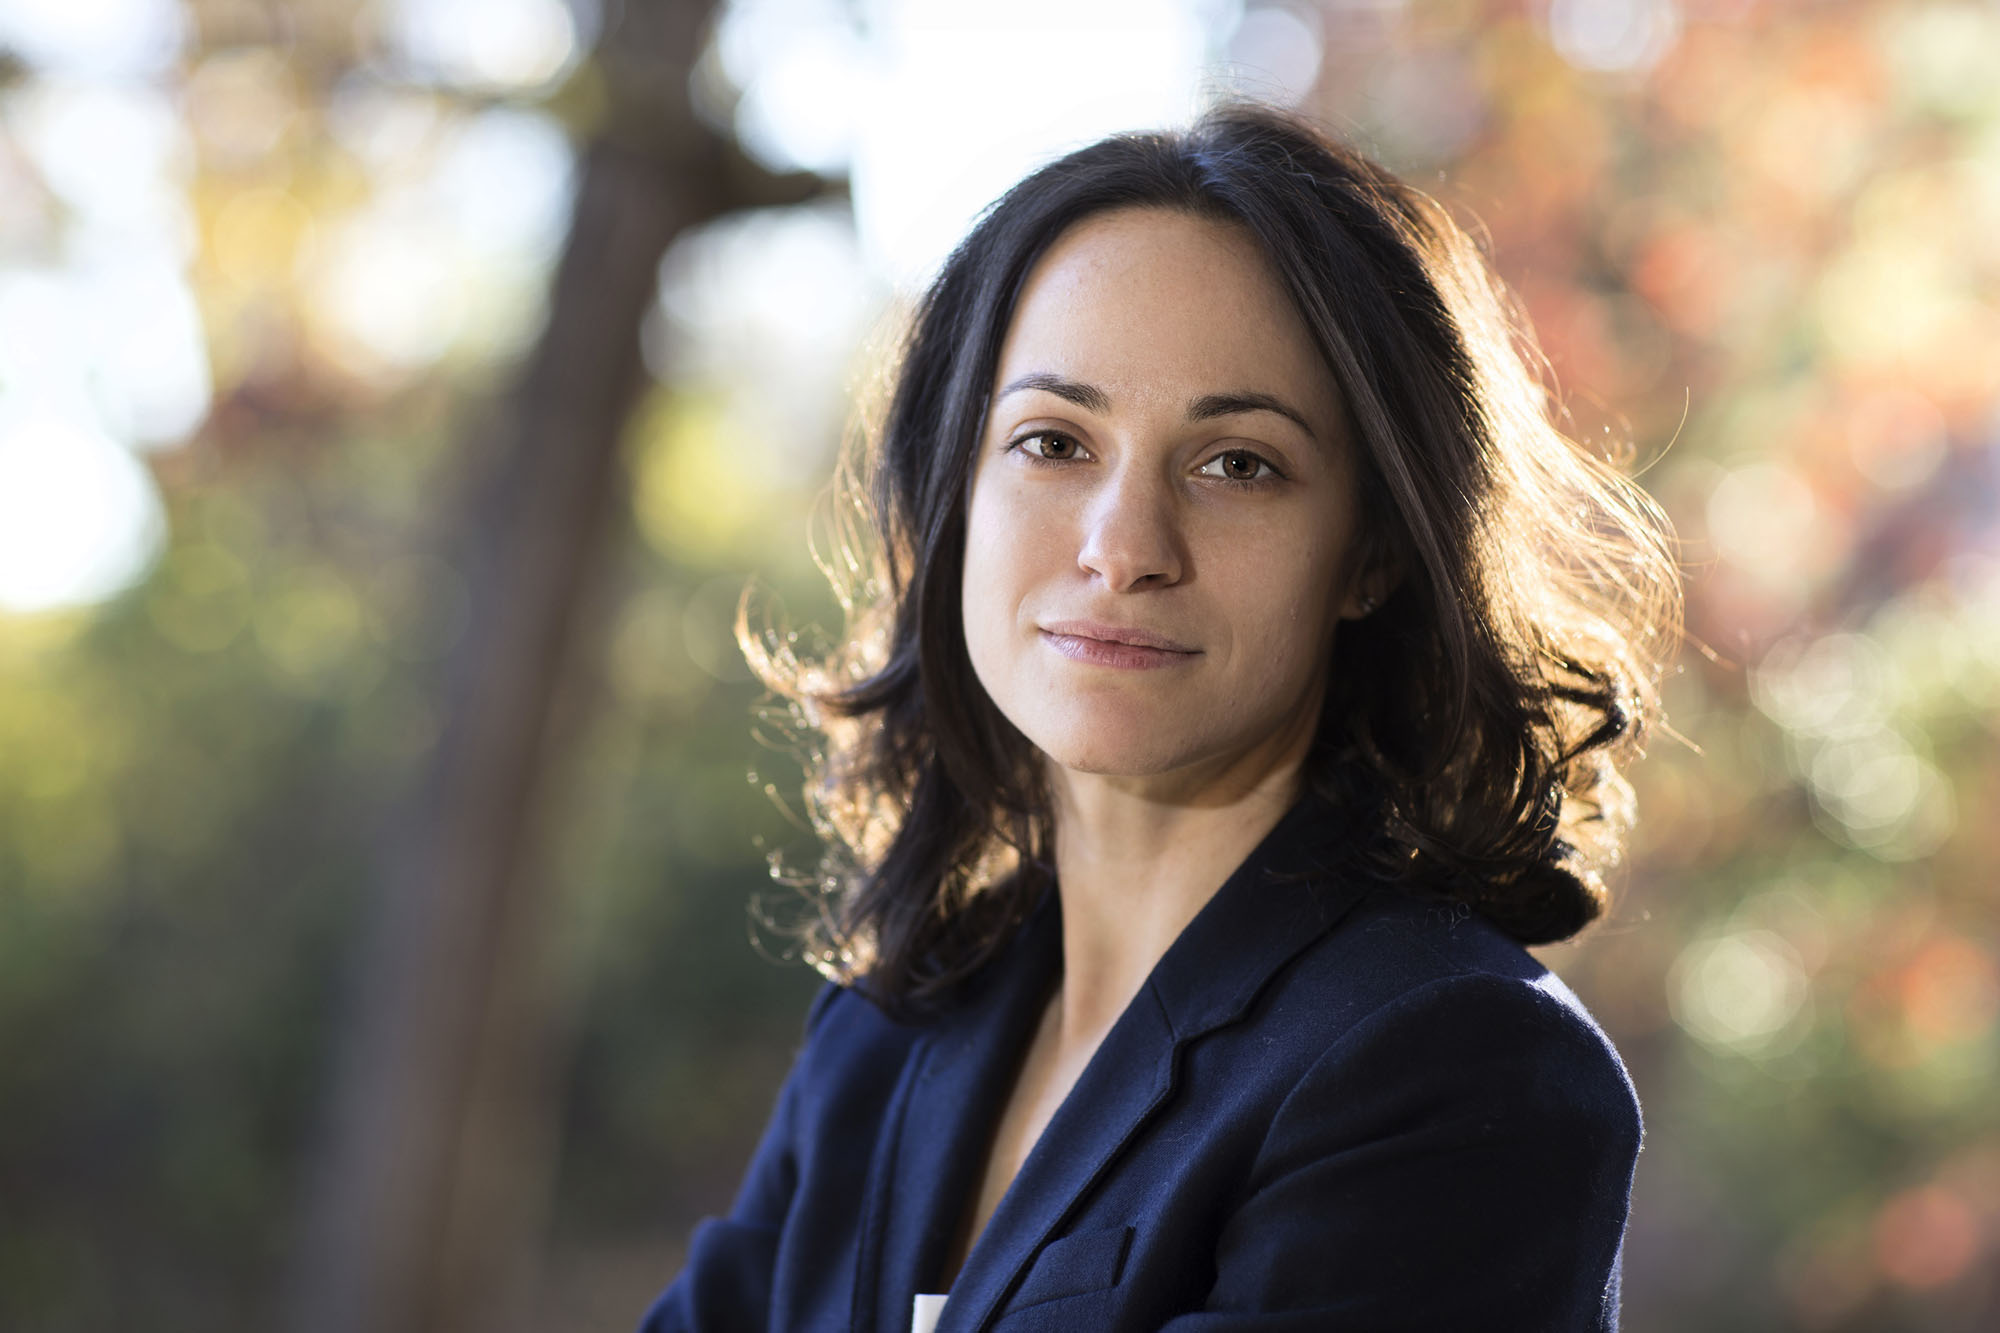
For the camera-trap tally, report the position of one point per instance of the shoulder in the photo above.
(842, 1019)
(1444, 1118)
(1422, 994)
(850, 1038)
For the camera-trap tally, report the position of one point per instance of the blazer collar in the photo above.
(1286, 893)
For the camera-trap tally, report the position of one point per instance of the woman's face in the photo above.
(1163, 524)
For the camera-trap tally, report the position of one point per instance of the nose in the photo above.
(1132, 538)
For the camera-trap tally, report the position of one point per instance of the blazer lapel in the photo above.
(962, 1070)
(1285, 895)
(1128, 1077)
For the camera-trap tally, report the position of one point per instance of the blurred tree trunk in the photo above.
(426, 1209)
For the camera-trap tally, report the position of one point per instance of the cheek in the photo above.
(1276, 573)
(1286, 596)
(990, 589)
(1014, 536)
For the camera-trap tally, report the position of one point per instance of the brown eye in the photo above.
(1044, 444)
(1239, 465)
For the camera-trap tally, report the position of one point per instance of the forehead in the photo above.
(1154, 306)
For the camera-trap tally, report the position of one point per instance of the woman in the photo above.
(1240, 683)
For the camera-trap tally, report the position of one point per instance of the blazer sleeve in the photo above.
(725, 1283)
(1461, 1158)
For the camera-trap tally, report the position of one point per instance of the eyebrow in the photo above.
(1087, 396)
(1212, 405)
(1205, 408)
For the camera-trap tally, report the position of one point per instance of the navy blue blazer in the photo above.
(1334, 1105)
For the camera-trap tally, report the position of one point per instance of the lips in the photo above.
(1121, 647)
(1130, 636)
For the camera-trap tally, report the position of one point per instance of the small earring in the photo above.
(1368, 604)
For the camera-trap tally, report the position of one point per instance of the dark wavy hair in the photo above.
(1474, 725)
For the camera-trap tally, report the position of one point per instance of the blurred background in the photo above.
(395, 399)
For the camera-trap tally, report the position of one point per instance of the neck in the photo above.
(1136, 860)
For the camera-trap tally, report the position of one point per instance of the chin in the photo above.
(1113, 765)
(1139, 753)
